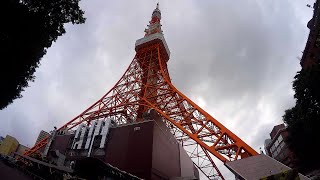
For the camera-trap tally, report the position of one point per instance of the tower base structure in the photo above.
(146, 149)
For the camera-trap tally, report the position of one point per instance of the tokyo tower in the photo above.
(146, 85)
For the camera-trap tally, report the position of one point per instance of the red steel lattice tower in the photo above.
(146, 84)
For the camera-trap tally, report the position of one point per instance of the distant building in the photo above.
(311, 53)
(8, 145)
(21, 149)
(43, 134)
(266, 144)
(277, 147)
(1, 139)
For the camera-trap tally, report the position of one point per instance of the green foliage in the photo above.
(28, 28)
(284, 175)
(303, 119)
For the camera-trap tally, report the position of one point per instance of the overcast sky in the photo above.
(236, 59)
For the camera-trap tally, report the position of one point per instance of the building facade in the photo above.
(145, 149)
(266, 144)
(21, 149)
(43, 134)
(277, 148)
(311, 53)
(9, 145)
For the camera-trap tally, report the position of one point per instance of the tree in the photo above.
(303, 119)
(28, 29)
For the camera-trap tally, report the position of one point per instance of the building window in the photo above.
(282, 145)
(276, 143)
(275, 153)
(280, 138)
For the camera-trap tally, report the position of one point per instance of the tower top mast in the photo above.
(153, 33)
(154, 25)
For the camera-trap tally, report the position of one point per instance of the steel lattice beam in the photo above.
(138, 90)
(146, 84)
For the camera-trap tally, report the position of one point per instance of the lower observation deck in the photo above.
(147, 40)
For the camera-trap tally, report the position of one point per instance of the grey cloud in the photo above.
(237, 59)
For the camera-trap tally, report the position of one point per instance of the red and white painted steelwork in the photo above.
(145, 85)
